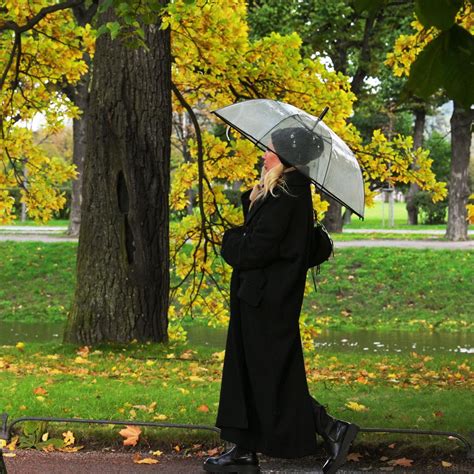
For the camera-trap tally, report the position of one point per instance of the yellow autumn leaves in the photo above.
(52, 56)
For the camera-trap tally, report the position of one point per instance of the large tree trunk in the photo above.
(123, 256)
(412, 208)
(461, 136)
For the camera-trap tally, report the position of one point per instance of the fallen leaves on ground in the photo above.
(354, 406)
(404, 462)
(446, 464)
(356, 457)
(40, 391)
(69, 439)
(414, 371)
(131, 435)
(139, 460)
(83, 351)
(12, 444)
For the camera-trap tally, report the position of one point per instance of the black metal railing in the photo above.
(6, 429)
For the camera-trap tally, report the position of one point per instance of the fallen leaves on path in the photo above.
(139, 460)
(404, 462)
(356, 457)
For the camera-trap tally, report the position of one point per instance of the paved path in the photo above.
(30, 229)
(408, 244)
(414, 244)
(97, 462)
(34, 238)
(50, 234)
(399, 231)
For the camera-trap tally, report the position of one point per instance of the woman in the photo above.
(264, 403)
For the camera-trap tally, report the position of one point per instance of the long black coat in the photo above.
(264, 400)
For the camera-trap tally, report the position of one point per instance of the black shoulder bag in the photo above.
(321, 247)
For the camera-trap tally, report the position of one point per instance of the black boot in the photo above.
(338, 436)
(235, 460)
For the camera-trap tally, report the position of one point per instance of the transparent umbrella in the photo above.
(303, 141)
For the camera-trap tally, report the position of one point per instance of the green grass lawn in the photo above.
(180, 384)
(52, 222)
(373, 219)
(359, 288)
(36, 280)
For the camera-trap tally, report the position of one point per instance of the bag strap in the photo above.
(318, 267)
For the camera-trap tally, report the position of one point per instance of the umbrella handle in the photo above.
(323, 113)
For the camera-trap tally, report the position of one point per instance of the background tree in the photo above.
(78, 94)
(438, 55)
(40, 48)
(355, 41)
(440, 153)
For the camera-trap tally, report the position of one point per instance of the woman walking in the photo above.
(265, 405)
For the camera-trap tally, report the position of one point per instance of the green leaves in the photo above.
(437, 13)
(447, 63)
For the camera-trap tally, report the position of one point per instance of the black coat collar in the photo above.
(295, 178)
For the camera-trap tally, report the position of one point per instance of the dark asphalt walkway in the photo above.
(95, 462)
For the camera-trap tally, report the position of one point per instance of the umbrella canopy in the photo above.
(304, 141)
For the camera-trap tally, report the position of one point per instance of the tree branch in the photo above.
(11, 25)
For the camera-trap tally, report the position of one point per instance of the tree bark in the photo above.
(79, 127)
(364, 59)
(79, 95)
(412, 208)
(333, 217)
(122, 290)
(461, 136)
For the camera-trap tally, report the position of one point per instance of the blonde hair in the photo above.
(270, 180)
